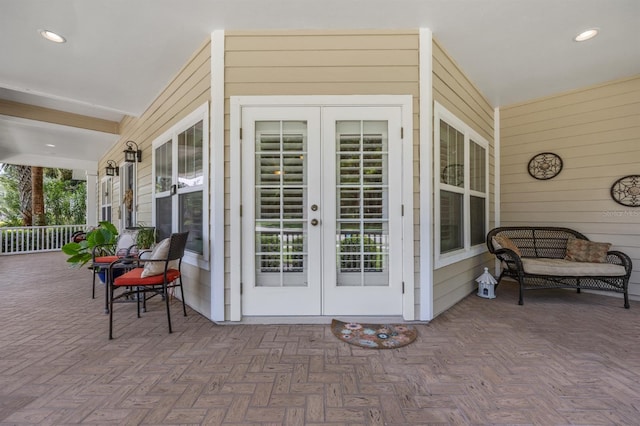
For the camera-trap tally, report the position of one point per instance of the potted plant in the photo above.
(80, 252)
(146, 237)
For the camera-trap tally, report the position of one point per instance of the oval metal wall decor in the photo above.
(545, 165)
(626, 191)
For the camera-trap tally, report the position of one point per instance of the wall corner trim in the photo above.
(426, 178)
(216, 160)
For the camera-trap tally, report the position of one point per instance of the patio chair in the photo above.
(153, 276)
(103, 255)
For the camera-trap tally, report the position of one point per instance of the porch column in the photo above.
(92, 198)
(426, 174)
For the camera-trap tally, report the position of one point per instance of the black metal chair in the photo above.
(102, 256)
(152, 277)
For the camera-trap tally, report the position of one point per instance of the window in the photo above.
(105, 199)
(180, 190)
(461, 187)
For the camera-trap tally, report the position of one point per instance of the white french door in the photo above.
(362, 220)
(321, 219)
(281, 249)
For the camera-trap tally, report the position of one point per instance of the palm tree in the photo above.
(37, 197)
(30, 189)
(23, 175)
(29, 201)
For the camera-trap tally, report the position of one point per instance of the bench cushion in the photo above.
(569, 268)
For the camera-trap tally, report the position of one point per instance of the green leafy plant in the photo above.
(105, 234)
(146, 237)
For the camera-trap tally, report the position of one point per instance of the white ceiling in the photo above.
(120, 54)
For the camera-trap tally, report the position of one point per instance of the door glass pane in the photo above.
(451, 221)
(163, 164)
(362, 203)
(190, 157)
(163, 217)
(477, 167)
(478, 220)
(281, 194)
(106, 213)
(103, 196)
(451, 155)
(191, 219)
(108, 193)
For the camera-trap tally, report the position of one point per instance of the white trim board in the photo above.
(216, 160)
(426, 177)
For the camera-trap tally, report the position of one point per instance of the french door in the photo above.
(321, 219)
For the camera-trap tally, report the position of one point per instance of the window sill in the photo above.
(196, 260)
(459, 255)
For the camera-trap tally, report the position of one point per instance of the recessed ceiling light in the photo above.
(50, 145)
(586, 35)
(51, 36)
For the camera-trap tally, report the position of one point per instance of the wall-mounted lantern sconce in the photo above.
(132, 155)
(112, 168)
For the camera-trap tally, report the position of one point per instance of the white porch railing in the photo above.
(35, 239)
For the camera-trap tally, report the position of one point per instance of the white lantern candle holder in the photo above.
(486, 285)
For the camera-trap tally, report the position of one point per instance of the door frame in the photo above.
(405, 102)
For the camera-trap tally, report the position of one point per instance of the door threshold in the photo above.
(289, 320)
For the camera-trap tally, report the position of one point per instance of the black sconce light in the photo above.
(112, 168)
(132, 155)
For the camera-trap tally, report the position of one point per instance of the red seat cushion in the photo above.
(132, 278)
(110, 259)
(105, 259)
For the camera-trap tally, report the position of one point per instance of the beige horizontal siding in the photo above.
(189, 89)
(595, 132)
(319, 63)
(613, 135)
(574, 100)
(320, 59)
(453, 90)
(321, 88)
(330, 75)
(464, 275)
(574, 111)
(319, 41)
(556, 131)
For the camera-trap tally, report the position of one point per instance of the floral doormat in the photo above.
(374, 336)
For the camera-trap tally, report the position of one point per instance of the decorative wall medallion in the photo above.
(453, 174)
(545, 166)
(626, 191)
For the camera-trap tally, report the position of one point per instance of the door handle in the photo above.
(314, 222)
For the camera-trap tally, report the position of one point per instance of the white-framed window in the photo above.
(106, 198)
(180, 193)
(461, 164)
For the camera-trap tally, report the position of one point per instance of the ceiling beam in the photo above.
(37, 113)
